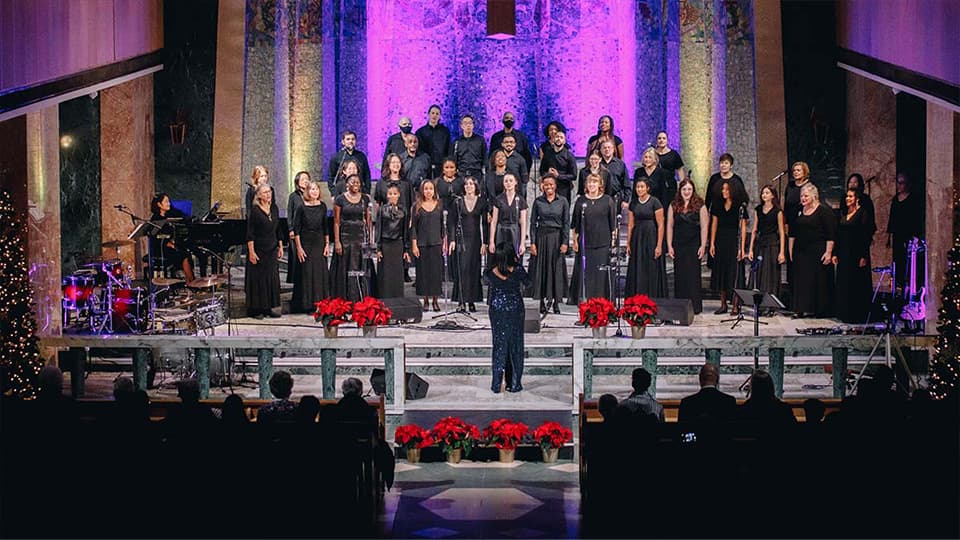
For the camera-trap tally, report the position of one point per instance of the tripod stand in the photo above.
(758, 299)
(613, 274)
(747, 298)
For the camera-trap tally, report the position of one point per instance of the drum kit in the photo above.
(100, 296)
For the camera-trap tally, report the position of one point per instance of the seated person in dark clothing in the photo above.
(640, 401)
(281, 409)
(608, 406)
(307, 410)
(191, 417)
(352, 407)
(763, 407)
(709, 402)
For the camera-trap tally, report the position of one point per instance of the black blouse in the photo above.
(598, 221)
(509, 214)
(550, 215)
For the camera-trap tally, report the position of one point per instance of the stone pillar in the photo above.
(649, 357)
(264, 371)
(43, 218)
(840, 355)
(328, 372)
(741, 92)
(126, 161)
(227, 178)
(943, 174)
(306, 101)
(771, 105)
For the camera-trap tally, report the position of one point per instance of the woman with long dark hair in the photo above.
(593, 232)
(469, 242)
(393, 244)
(851, 256)
(856, 183)
(549, 236)
(506, 280)
(294, 204)
(768, 236)
(167, 250)
(427, 244)
(728, 230)
(605, 133)
(264, 250)
(493, 181)
(688, 223)
(508, 218)
(312, 247)
(351, 226)
(646, 269)
(811, 250)
(670, 160)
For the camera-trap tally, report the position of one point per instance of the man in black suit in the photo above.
(709, 402)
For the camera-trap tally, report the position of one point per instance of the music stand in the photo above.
(149, 229)
(757, 299)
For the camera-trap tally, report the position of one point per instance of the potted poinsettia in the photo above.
(505, 434)
(412, 438)
(370, 313)
(597, 313)
(455, 437)
(551, 436)
(331, 313)
(639, 310)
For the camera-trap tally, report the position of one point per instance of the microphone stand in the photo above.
(779, 179)
(617, 298)
(226, 365)
(583, 254)
(445, 324)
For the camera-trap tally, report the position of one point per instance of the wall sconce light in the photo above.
(501, 19)
(178, 129)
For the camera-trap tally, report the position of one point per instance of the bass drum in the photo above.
(130, 310)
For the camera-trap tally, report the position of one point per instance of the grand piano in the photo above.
(218, 234)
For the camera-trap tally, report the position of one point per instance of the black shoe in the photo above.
(514, 389)
(543, 307)
(721, 311)
(436, 306)
(798, 315)
(495, 390)
(461, 307)
(556, 307)
(258, 316)
(273, 315)
(406, 277)
(472, 307)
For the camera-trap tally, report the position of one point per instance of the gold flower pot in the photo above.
(413, 455)
(638, 331)
(550, 455)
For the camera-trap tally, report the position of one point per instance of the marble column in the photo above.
(126, 161)
(771, 115)
(43, 216)
(306, 110)
(943, 174)
(741, 90)
(227, 177)
(872, 152)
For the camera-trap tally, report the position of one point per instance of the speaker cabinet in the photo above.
(675, 310)
(416, 387)
(405, 310)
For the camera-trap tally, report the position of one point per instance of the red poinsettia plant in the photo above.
(371, 312)
(412, 436)
(638, 310)
(505, 434)
(552, 435)
(452, 433)
(332, 311)
(597, 312)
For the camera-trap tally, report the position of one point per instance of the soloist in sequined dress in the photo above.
(506, 325)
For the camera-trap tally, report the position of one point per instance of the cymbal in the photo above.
(166, 282)
(209, 281)
(117, 243)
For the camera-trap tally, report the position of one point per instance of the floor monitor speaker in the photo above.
(405, 310)
(675, 310)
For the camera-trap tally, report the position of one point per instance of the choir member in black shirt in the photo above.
(619, 185)
(800, 172)
(595, 166)
(594, 232)
(449, 184)
(549, 236)
(349, 167)
(393, 244)
(469, 235)
(416, 166)
(515, 162)
(522, 142)
(496, 170)
(855, 182)
(728, 233)
(264, 251)
(768, 242)
(548, 133)
(906, 221)
(294, 203)
(508, 220)
(167, 250)
(311, 249)
(434, 140)
(351, 226)
(688, 225)
(349, 150)
(605, 133)
(428, 242)
(650, 170)
(851, 256)
(726, 174)
(393, 176)
(671, 161)
(646, 270)
(395, 143)
(260, 177)
(561, 163)
(469, 149)
(811, 250)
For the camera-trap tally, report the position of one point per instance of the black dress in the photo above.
(670, 162)
(313, 280)
(766, 250)
(393, 240)
(352, 226)
(506, 324)
(263, 279)
(811, 278)
(714, 195)
(159, 250)
(508, 220)
(470, 231)
(645, 274)
(427, 231)
(294, 204)
(658, 181)
(853, 281)
(493, 184)
(595, 230)
(549, 229)
(686, 264)
(727, 271)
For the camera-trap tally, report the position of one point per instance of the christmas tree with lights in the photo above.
(945, 368)
(19, 352)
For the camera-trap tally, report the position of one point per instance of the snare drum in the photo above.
(176, 321)
(77, 291)
(113, 270)
(211, 314)
(130, 307)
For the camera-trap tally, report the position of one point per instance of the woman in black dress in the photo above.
(688, 223)
(549, 236)
(650, 170)
(167, 250)
(767, 243)
(852, 259)
(594, 166)
(594, 230)
(264, 250)
(493, 180)
(294, 204)
(348, 168)
(393, 244)
(506, 280)
(508, 218)
(470, 241)
(259, 178)
(671, 162)
(646, 269)
(427, 244)
(605, 133)
(449, 184)
(855, 182)
(351, 223)
(312, 242)
(728, 234)
(726, 174)
(811, 250)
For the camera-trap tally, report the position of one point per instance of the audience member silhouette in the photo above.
(709, 403)
(281, 409)
(308, 410)
(608, 406)
(640, 402)
(190, 418)
(763, 408)
(233, 413)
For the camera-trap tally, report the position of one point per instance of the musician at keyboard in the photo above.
(163, 244)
